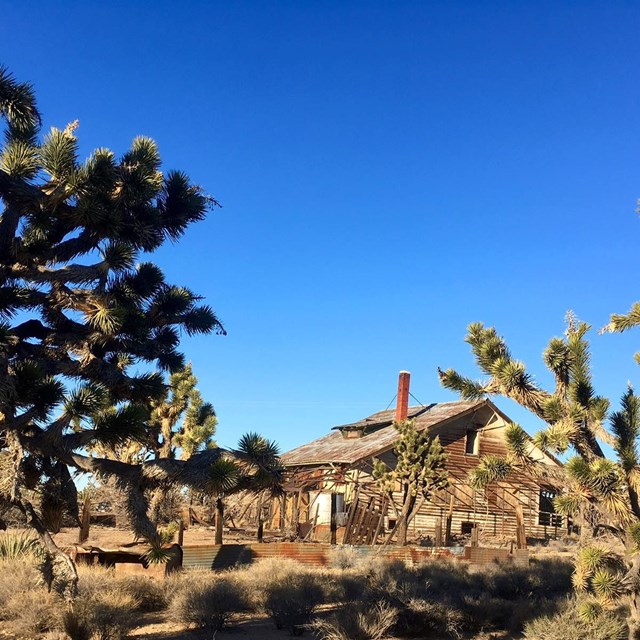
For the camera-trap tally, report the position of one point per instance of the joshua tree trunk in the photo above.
(219, 519)
(632, 579)
(405, 517)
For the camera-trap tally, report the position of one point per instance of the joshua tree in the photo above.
(78, 313)
(419, 472)
(607, 489)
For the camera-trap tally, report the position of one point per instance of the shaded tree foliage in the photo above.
(85, 327)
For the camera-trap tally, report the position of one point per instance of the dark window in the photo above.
(466, 528)
(547, 515)
(471, 446)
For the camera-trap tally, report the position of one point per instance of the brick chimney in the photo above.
(402, 408)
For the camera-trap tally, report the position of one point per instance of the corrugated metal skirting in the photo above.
(231, 555)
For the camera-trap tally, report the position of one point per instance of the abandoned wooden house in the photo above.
(330, 490)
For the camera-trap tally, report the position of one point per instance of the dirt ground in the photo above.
(157, 627)
(112, 537)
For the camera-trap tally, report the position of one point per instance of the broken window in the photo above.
(471, 445)
(547, 515)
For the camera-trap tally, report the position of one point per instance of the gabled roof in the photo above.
(379, 434)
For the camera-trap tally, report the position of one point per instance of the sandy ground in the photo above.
(156, 627)
(112, 538)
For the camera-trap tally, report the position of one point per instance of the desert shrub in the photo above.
(93, 579)
(30, 613)
(344, 557)
(543, 578)
(103, 615)
(417, 617)
(17, 576)
(568, 623)
(208, 601)
(357, 623)
(291, 603)
(345, 586)
(147, 592)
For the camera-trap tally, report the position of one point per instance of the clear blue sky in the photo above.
(390, 172)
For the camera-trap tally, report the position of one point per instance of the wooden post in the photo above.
(447, 529)
(283, 512)
(351, 516)
(333, 525)
(383, 511)
(181, 532)
(437, 538)
(85, 519)
(260, 522)
(521, 534)
(475, 535)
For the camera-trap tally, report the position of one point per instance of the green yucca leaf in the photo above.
(592, 558)
(580, 579)
(144, 151)
(170, 360)
(58, 153)
(224, 475)
(607, 585)
(634, 533)
(579, 470)
(554, 409)
(517, 441)
(598, 408)
(568, 504)
(118, 256)
(156, 554)
(467, 388)
(541, 440)
(604, 476)
(479, 478)
(18, 106)
(85, 400)
(560, 435)
(17, 544)
(105, 319)
(258, 449)
(202, 319)
(19, 159)
(181, 203)
(119, 425)
(623, 322)
(590, 610)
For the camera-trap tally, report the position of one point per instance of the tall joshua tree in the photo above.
(576, 417)
(78, 312)
(420, 471)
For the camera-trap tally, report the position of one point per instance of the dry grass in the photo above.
(357, 623)
(208, 601)
(567, 623)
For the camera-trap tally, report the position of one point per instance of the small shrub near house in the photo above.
(291, 603)
(108, 615)
(357, 622)
(208, 601)
(568, 623)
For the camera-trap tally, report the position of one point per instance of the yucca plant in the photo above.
(21, 543)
